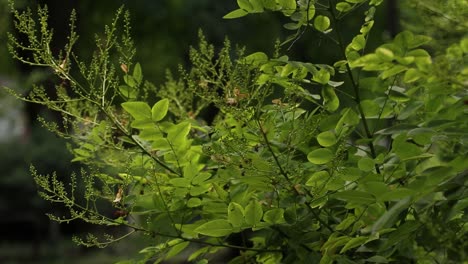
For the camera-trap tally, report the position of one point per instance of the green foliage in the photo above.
(363, 160)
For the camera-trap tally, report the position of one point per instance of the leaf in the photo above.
(257, 5)
(235, 214)
(318, 178)
(137, 74)
(418, 40)
(321, 23)
(343, 7)
(194, 202)
(346, 223)
(215, 228)
(402, 233)
(236, 14)
(159, 110)
(320, 156)
(412, 75)
(138, 110)
(390, 217)
(288, 6)
(384, 54)
(177, 133)
(274, 216)
(393, 71)
(326, 139)
(256, 58)
(358, 42)
(370, 108)
(176, 249)
(130, 81)
(253, 213)
(354, 242)
(366, 164)
(355, 196)
(404, 149)
(128, 92)
(378, 259)
(245, 5)
(330, 100)
(396, 195)
(322, 76)
(397, 129)
(398, 96)
(410, 109)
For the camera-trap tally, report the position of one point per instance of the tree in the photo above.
(362, 160)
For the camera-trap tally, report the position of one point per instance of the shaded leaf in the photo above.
(355, 196)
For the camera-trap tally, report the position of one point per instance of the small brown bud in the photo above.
(124, 67)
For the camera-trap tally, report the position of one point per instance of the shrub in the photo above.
(362, 160)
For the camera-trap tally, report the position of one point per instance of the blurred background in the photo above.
(163, 31)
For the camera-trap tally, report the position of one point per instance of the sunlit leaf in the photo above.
(215, 228)
(320, 156)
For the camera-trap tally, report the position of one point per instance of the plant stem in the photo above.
(355, 85)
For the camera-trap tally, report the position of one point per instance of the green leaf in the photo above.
(137, 74)
(215, 228)
(288, 6)
(354, 242)
(321, 23)
(378, 259)
(397, 129)
(177, 133)
(398, 96)
(358, 42)
(138, 110)
(130, 81)
(366, 164)
(402, 233)
(412, 75)
(393, 71)
(418, 40)
(322, 76)
(396, 195)
(256, 58)
(235, 214)
(159, 110)
(326, 139)
(194, 202)
(257, 5)
(391, 216)
(385, 54)
(343, 7)
(236, 14)
(128, 92)
(355, 196)
(320, 156)
(318, 179)
(346, 223)
(370, 108)
(176, 249)
(274, 216)
(245, 5)
(404, 149)
(330, 100)
(253, 213)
